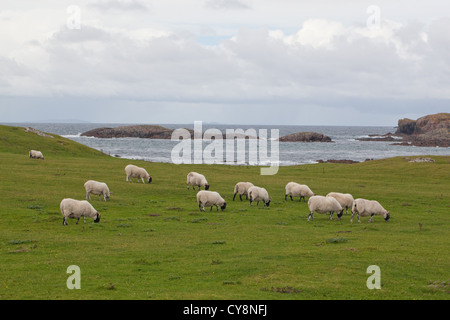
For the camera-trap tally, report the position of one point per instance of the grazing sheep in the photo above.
(36, 154)
(242, 189)
(259, 194)
(97, 188)
(76, 209)
(294, 189)
(321, 204)
(133, 171)
(370, 208)
(197, 179)
(210, 199)
(344, 199)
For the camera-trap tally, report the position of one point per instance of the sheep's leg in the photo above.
(331, 215)
(84, 218)
(234, 196)
(240, 196)
(285, 197)
(251, 201)
(371, 217)
(78, 220)
(64, 221)
(310, 216)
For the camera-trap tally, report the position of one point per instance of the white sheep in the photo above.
(242, 189)
(97, 188)
(71, 208)
(344, 199)
(259, 194)
(321, 204)
(364, 208)
(36, 154)
(197, 179)
(210, 199)
(294, 189)
(133, 171)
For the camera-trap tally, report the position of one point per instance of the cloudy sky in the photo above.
(322, 62)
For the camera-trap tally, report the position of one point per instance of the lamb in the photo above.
(242, 189)
(365, 208)
(344, 199)
(71, 208)
(97, 188)
(197, 179)
(321, 204)
(133, 171)
(36, 154)
(210, 199)
(259, 194)
(294, 189)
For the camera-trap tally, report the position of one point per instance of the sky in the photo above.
(286, 62)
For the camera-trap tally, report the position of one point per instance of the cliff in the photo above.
(138, 131)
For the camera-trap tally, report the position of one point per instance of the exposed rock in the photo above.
(39, 133)
(422, 160)
(305, 137)
(428, 131)
(338, 161)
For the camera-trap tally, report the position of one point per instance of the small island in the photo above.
(305, 137)
(138, 131)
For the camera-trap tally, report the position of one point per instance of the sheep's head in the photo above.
(267, 203)
(387, 216)
(340, 213)
(207, 187)
(223, 206)
(149, 179)
(97, 218)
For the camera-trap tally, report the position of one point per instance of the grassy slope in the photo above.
(153, 243)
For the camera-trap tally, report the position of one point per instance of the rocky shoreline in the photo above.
(428, 131)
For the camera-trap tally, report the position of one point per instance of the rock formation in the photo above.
(305, 137)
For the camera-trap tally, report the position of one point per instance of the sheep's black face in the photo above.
(150, 180)
(207, 187)
(224, 206)
(388, 216)
(97, 219)
(107, 197)
(340, 214)
(267, 203)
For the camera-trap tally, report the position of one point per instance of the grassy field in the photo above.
(153, 243)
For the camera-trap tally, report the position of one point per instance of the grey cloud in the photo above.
(123, 5)
(227, 4)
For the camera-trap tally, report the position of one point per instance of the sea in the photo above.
(345, 145)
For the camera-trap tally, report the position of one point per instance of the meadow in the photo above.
(153, 242)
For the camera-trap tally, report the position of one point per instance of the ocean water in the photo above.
(345, 145)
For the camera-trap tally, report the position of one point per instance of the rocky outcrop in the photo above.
(138, 131)
(305, 137)
(428, 131)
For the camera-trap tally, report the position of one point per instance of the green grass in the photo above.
(153, 243)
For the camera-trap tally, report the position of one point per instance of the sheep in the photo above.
(133, 171)
(321, 204)
(97, 188)
(71, 208)
(294, 189)
(197, 179)
(364, 207)
(344, 199)
(210, 199)
(36, 154)
(259, 194)
(242, 189)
